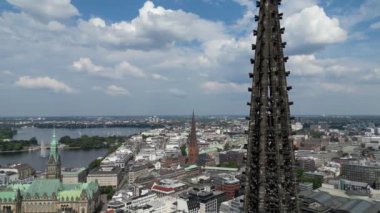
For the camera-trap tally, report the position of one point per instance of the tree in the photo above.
(317, 182)
(227, 146)
(94, 164)
(183, 150)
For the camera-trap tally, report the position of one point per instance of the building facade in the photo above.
(50, 195)
(229, 185)
(195, 201)
(136, 171)
(368, 172)
(53, 169)
(105, 176)
(74, 175)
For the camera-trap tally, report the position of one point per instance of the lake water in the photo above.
(44, 135)
(69, 158)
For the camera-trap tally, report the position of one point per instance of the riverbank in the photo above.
(96, 163)
(38, 148)
(71, 157)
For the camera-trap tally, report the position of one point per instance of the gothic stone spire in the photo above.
(271, 184)
(193, 144)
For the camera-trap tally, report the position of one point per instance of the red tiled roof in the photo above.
(162, 188)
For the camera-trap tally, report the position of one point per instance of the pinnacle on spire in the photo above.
(54, 145)
(54, 136)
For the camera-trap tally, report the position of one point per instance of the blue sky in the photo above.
(167, 57)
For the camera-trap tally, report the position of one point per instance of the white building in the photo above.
(117, 159)
(297, 126)
(150, 154)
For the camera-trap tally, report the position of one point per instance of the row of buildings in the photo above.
(50, 194)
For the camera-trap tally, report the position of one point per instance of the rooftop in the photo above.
(72, 171)
(221, 168)
(340, 203)
(105, 170)
(49, 188)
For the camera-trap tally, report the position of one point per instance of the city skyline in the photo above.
(169, 57)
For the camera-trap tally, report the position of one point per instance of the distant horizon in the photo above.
(179, 115)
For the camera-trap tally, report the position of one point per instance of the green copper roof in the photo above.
(7, 195)
(221, 168)
(9, 192)
(22, 187)
(75, 190)
(42, 186)
(191, 167)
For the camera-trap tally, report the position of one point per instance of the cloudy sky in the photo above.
(168, 57)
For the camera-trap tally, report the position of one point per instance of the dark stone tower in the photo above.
(271, 183)
(53, 170)
(18, 202)
(193, 144)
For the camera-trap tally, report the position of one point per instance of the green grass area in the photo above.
(7, 133)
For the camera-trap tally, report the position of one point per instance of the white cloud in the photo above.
(369, 9)
(85, 64)
(312, 28)
(217, 87)
(338, 88)
(375, 26)
(5, 72)
(119, 71)
(373, 74)
(129, 69)
(155, 27)
(308, 28)
(290, 7)
(97, 22)
(177, 92)
(159, 77)
(250, 10)
(304, 65)
(47, 9)
(310, 65)
(43, 83)
(114, 90)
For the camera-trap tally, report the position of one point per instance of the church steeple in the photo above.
(193, 144)
(53, 170)
(271, 182)
(54, 146)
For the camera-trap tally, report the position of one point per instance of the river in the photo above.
(69, 158)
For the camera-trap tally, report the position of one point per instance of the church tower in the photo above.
(193, 144)
(271, 183)
(53, 170)
(18, 202)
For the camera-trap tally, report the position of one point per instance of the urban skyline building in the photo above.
(193, 144)
(271, 183)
